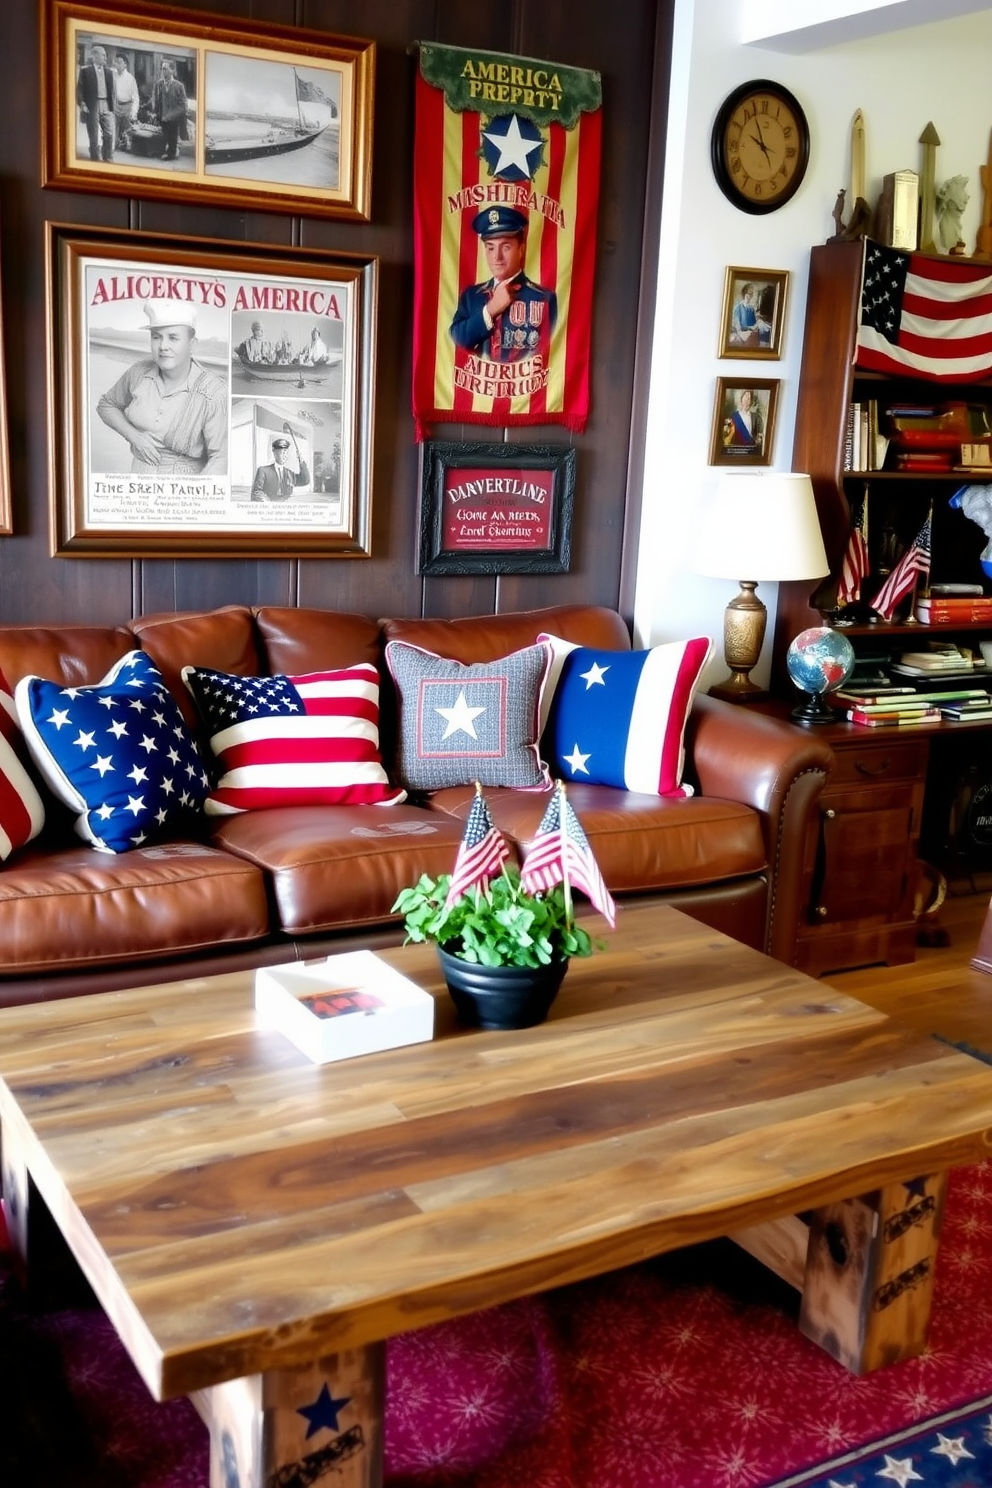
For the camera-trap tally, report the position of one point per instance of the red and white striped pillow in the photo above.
(293, 741)
(22, 813)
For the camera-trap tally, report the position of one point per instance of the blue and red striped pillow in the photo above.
(618, 717)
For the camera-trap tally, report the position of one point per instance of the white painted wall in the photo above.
(935, 72)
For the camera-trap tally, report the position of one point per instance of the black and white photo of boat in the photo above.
(260, 111)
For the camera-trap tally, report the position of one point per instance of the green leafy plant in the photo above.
(506, 926)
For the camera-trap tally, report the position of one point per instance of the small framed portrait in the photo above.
(753, 312)
(743, 421)
(496, 508)
(208, 398)
(148, 102)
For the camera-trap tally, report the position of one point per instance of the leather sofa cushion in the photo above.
(63, 908)
(641, 842)
(296, 641)
(223, 640)
(488, 637)
(337, 867)
(69, 654)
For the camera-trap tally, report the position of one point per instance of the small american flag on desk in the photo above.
(560, 853)
(482, 853)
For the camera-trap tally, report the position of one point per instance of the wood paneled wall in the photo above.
(630, 45)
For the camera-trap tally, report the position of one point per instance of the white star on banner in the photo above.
(60, 717)
(513, 148)
(951, 1447)
(594, 676)
(576, 760)
(461, 718)
(899, 1470)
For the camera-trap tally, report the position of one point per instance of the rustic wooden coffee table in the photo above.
(256, 1226)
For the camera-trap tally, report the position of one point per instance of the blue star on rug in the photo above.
(952, 1450)
(322, 1415)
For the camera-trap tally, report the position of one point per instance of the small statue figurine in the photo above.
(950, 201)
(858, 225)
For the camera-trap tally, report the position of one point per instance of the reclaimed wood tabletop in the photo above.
(237, 1208)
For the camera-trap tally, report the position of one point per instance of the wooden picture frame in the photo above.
(130, 474)
(491, 508)
(743, 432)
(753, 314)
(272, 117)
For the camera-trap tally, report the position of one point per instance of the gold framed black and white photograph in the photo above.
(753, 312)
(488, 508)
(208, 398)
(150, 102)
(743, 430)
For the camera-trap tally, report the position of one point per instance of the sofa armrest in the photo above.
(779, 769)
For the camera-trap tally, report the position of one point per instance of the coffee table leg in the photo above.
(289, 1428)
(869, 1274)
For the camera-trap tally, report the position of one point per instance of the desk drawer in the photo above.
(888, 759)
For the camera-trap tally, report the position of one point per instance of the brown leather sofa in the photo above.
(291, 882)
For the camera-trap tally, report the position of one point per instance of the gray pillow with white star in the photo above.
(459, 724)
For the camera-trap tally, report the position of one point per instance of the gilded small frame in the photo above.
(208, 398)
(743, 432)
(753, 313)
(152, 101)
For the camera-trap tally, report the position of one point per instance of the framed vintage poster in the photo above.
(743, 421)
(496, 508)
(753, 312)
(150, 101)
(208, 399)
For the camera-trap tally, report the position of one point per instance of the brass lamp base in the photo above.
(744, 624)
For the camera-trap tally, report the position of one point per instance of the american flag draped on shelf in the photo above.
(482, 853)
(914, 564)
(854, 569)
(560, 852)
(929, 317)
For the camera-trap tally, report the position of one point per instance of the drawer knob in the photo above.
(830, 813)
(821, 911)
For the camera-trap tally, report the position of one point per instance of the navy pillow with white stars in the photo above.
(117, 752)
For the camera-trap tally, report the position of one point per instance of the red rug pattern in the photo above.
(683, 1372)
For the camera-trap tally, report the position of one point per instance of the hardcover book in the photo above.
(354, 1003)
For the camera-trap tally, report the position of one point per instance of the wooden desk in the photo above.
(256, 1226)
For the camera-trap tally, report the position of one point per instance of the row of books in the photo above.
(865, 447)
(897, 706)
(968, 609)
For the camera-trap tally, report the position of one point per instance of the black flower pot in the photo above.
(501, 996)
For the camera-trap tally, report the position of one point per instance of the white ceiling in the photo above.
(773, 23)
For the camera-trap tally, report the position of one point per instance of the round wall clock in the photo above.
(760, 146)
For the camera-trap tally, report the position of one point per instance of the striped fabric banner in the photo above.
(506, 149)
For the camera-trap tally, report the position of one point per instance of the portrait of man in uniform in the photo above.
(508, 317)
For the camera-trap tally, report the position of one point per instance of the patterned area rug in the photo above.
(683, 1372)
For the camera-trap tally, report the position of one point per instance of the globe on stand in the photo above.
(819, 661)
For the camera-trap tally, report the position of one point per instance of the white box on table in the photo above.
(354, 1003)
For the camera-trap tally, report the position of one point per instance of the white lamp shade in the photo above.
(761, 526)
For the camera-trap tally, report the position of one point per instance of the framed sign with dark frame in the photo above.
(496, 508)
(150, 101)
(208, 398)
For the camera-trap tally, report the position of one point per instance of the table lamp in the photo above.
(765, 524)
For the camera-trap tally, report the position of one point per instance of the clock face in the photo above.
(760, 146)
